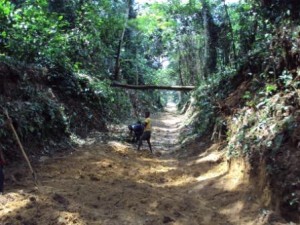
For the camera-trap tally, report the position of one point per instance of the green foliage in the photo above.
(68, 34)
(5, 10)
(152, 20)
(38, 119)
(259, 130)
(117, 104)
(286, 77)
(247, 95)
(165, 76)
(205, 101)
(34, 33)
(270, 88)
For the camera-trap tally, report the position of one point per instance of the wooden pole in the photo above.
(21, 146)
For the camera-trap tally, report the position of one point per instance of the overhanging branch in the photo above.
(149, 87)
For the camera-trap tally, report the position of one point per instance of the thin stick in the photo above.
(21, 146)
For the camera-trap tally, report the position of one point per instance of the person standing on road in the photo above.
(147, 132)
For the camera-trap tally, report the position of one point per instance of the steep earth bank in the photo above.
(46, 106)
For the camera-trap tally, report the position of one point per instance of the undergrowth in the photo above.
(256, 111)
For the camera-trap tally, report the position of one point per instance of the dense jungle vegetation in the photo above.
(59, 59)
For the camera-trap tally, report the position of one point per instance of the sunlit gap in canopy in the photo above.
(182, 1)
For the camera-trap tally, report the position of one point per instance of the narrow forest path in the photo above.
(112, 184)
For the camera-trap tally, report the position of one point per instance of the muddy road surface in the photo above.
(113, 184)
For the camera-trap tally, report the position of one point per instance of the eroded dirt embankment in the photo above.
(111, 183)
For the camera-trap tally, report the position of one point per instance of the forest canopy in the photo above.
(152, 43)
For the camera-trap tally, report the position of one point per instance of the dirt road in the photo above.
(113, 184)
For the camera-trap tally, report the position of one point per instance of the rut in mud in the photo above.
(112, 183)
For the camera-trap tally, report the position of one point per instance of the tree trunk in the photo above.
(211, 37)
(118, 56)
(180, 69)
(231, 33)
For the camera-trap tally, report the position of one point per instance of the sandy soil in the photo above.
(113, 184)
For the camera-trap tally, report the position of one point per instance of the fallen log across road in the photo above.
(149, 87)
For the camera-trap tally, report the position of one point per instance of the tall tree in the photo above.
(228, 20)
(210, 37)
(121, 39)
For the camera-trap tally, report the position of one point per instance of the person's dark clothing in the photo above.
(138, 130)
(145, 137)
